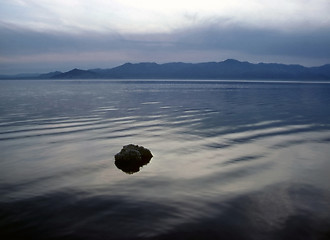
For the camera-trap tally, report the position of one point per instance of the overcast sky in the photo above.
(47, 35)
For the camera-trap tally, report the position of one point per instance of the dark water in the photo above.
(232, 160)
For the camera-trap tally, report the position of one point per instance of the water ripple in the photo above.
(241, 160)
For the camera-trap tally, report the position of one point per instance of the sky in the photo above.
(47, 35)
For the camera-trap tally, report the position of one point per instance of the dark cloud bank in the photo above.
(312, 43)
(17, 44)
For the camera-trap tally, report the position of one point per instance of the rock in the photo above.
(132, 157)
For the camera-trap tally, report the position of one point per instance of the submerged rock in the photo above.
(132, 157)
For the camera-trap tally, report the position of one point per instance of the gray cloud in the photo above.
(186, 44)
(312, 43)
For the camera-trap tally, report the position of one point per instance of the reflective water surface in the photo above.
(231, 160)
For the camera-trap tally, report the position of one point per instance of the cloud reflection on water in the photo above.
(226, 164)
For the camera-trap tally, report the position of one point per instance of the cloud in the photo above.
(105, 33)
(162, 16)
(200, 43)
(309, 43)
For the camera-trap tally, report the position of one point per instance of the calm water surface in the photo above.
(232, 160)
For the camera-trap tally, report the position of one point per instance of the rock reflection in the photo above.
(132, 157)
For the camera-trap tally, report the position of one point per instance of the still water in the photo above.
(231, 160)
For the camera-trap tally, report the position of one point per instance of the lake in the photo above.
(231, 159)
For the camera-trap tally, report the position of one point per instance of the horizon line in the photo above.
(144, 62)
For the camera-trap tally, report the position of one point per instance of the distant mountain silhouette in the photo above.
(76, 73)
(229, 69)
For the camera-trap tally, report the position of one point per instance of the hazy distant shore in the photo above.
(226, 70)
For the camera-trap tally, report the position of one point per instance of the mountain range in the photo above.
(229, 69)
